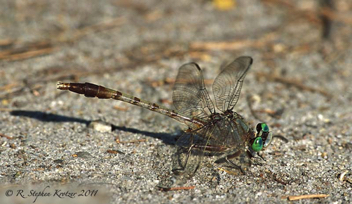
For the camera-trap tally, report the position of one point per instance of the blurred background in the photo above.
(47, 41)
(44, 41)
(300, 84)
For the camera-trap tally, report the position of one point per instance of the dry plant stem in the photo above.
(180, 188)
(39, 48)
(307, 196)
(8, 137)
(292, 82)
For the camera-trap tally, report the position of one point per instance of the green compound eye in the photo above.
(262, 128)
(263, 132)
(257, 144)
(265, 127)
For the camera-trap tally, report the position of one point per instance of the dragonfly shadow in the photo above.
(167, 138)
(47, 117)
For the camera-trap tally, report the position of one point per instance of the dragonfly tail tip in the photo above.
(62, 86)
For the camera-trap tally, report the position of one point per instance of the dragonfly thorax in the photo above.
(215, 117)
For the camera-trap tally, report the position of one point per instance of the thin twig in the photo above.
(34, 49)
(101, 26)
(178, 188)
(26, 54)
(234, 45)
(292, 82)
(307, 196)
(111, 151)
(8, 86)
(8, 137)
(251, 109)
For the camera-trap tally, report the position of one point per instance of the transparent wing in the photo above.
(186, 160)
(190, 97)
(190, 152)
(227, 85)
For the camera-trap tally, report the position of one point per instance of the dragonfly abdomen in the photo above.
(93, 90)
(88, 89)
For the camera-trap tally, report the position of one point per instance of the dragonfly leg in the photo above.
(251, 156)
(261, 157)
(281, 137)
(179, 170)
(228, 160)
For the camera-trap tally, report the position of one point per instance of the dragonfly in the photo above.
(214, 128)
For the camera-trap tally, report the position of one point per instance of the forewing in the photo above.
(190, 97)
(227, 85)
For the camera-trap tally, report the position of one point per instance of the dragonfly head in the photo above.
(263, 137)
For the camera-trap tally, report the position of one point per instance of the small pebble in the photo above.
(100, 126)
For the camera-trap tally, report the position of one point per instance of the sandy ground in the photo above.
(299, 84)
